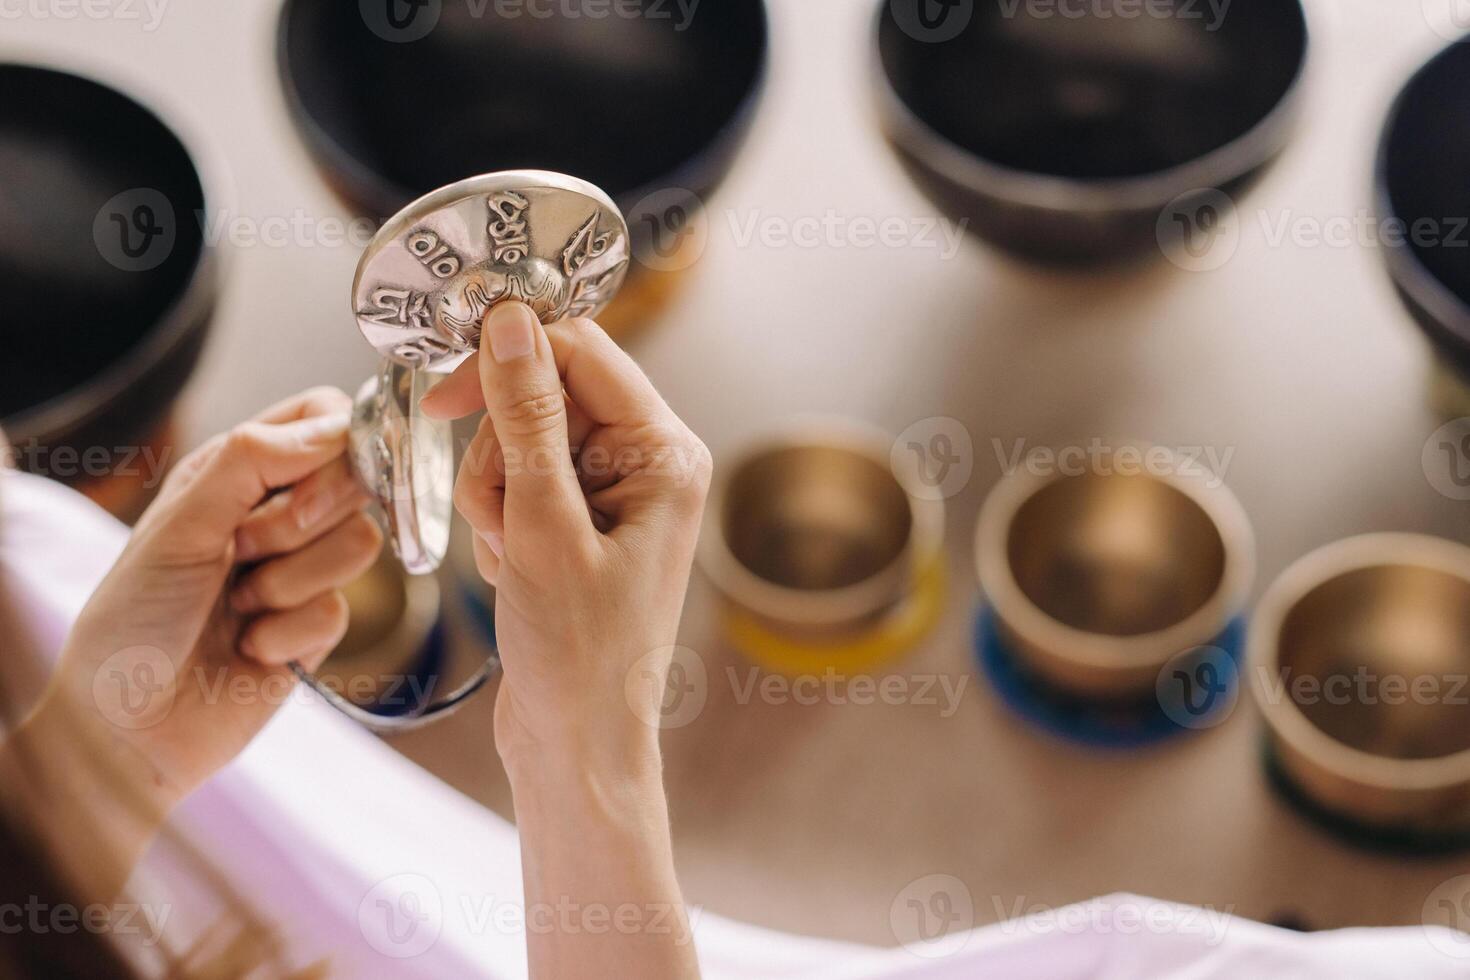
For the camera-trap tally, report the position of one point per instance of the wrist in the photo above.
(573, 765)
(82, 757)
(610, 745)
(66, 780)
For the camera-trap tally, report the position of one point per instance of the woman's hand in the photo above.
(589, 549)
(178, 659)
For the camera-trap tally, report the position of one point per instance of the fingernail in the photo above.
(494, 542)
(511, 328)
(323, 428)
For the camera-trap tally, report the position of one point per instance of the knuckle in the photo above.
(701, 466)
(336, 613)
(269, 586)
(329, 397)
(463, 495)
(242, 442)
(473, 497)
(193, 462)
(486, 563)
(364, 535)
(532, 411)
(584, 327)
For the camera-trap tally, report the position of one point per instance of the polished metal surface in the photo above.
(1360, 657)
(422, 289)
(390, 673)
(393, 615)
(1098, 580)
(427, 279)
(407, 461)
(815, 533)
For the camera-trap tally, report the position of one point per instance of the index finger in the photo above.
(322, 400)
(237, 471)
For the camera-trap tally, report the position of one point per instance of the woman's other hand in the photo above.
(179, 658)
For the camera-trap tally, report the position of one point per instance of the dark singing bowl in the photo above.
(1421, 188)
(1064, 132)
(109, 284)
(393, 107)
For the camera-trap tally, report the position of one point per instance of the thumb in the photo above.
(524, 398)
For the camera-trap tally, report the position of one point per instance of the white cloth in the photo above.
(365, 860)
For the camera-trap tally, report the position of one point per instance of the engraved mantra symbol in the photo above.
(435, 256)
(399, 308)
(510, 236)
(554, 290)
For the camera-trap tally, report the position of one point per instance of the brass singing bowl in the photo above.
(1387, 606)
(392, 617)
(815, 534)
(1098, 581)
